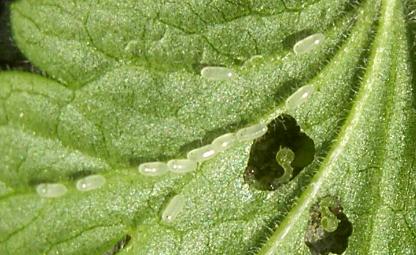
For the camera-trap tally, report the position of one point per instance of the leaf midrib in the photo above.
(310, 194)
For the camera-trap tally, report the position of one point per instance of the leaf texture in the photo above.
(123, 87)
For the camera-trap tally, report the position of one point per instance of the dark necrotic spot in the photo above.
(118, 246)
(263, 170)
(317, 237)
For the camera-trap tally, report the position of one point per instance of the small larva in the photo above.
(308, 44)
(299, 97)
(224, 142)
(173, 208)
(181, 166)
(216, 73)
(251, 132)
(285, 157)
(90, 182)
(153, 168)
(329, 220)
(51, 190)
(203, 153)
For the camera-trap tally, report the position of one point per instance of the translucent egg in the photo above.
(90, 182)
(153, 168)
(299, 97)
(224, 142)
(203, 153)
(182, 166)
(216, 73)
(51, 190)
(309, 43)
(251, 132)
(173, 208)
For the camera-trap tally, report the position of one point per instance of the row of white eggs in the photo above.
(220, 144)
(218, 73)
(51, 190)
(203, 153)
(178, 166)
(225, 141)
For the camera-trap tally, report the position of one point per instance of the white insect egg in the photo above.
(299, 97)
(251, 132)
(182, 166)
(153, 168)
(174, 207)
(217, 73)
(90, 182)
(203, 153)
(309, 43)
(51, 190)
(224, 142)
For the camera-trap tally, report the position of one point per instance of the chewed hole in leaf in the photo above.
(120, 245)
(328, 228)
(279, 155)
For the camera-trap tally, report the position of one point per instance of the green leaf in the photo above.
(124, 87)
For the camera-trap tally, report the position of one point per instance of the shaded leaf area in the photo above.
(9, 54)
(11, 57)
(116, 110)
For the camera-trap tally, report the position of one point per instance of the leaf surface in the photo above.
(123, 87)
